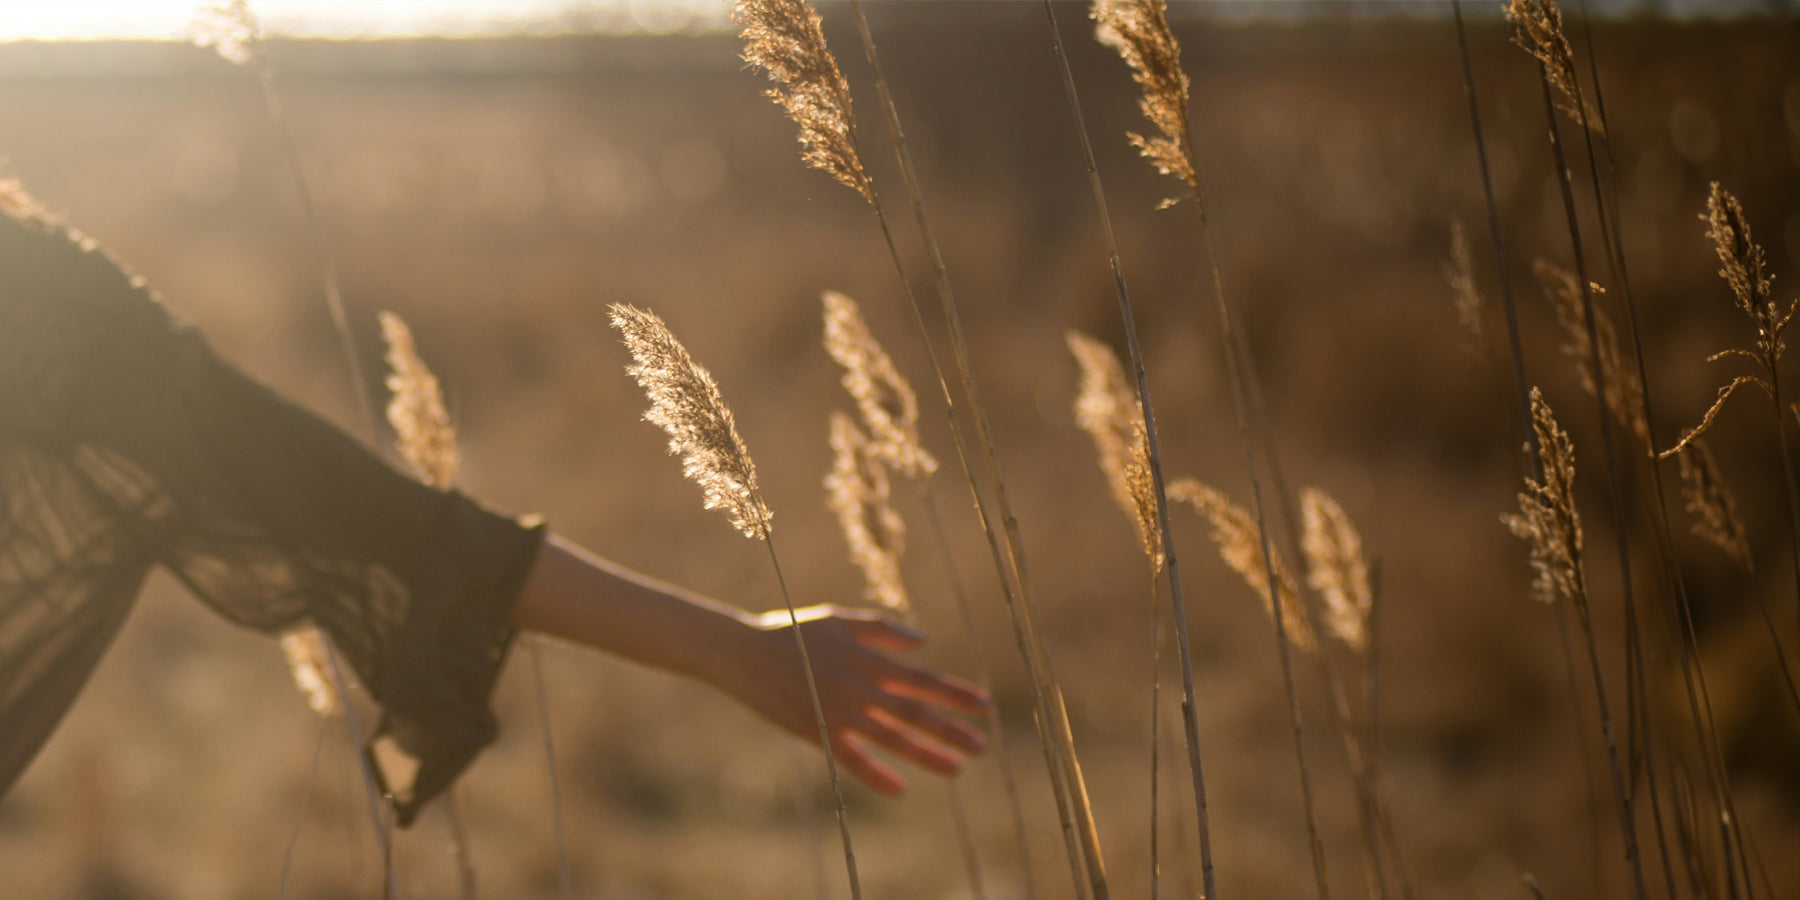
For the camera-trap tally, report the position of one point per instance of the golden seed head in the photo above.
(886, 402)
(1459, 273)
(1547, 519)
(1624, 390)
(1715, 510)
(1139, 31)
(307, 662)
(1335, 566)
(1107, 409)
(1539, 32)
(416, 409)
(1239, 539)
(857, 491)
(685, 403)
(786, 39)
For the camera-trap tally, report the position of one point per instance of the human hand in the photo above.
(868, 697)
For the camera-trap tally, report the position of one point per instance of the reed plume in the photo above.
(415, 409)
(1459, 274)
(885, 401)
(1106, 407)
(685, 403)
(304, 649)
(1139, 31)
(890, 411)
(1715, 510)
(1624, 391)
(1743, 268)
(1539, 32)
(228, 29)
(1234, 532)
(1547, 519)
(786, 39)
(427, 441)
(1336, 567)
(857, 492)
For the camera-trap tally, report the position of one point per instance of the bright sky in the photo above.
(171, 19)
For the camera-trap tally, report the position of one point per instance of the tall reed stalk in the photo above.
(685, 403)
(858, 490)
(785, 37)
(231, 29)
(1075, 785)
(1110, 412)
(1139, 30)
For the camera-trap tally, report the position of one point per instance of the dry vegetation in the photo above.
(1462, 740)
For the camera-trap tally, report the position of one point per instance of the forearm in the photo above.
(580, 597)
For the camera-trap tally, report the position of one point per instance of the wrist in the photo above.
(724, 651)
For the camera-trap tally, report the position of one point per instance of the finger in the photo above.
(920, 682)
(887, 731)
(855, 758)
(883, 633)
(933, 723)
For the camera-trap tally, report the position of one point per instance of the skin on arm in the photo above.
(869, 697)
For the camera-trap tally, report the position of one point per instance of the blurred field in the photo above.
(499, 194)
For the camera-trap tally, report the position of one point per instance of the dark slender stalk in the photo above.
(556, 809)
(812, 690)
(1058, 718)
(312, 772)
(959, 814)
(1153, 450)
(1155, 743)
(984, 677)
(1021, 628)
(1621, 789)
(335, 302)
(1501, 270)
(1581, 750)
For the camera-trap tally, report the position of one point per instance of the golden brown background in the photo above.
(500, 193)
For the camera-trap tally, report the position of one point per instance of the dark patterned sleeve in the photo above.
(126, 443)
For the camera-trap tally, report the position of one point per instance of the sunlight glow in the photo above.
(63, 20)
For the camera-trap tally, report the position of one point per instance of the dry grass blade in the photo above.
(786, 39)
(1540, 33)
(856, 490)
(1235, 533)
(1712, 413)
(1335, 566)
(1715, 510)
(1459, 273)
(305, 652)
(229, 29)
(1139, 31)
(1547, 519)
(886, 402)
(1107, 408)
(1624, 391)
(416, 408)
(685, 403)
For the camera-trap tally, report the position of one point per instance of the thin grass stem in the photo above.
(541, 688)
(1057, 719)
(812, 690)
(312, 772)
(1621, 789)
(1153, 452)
(984, 676)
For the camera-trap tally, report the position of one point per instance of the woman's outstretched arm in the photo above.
(869, 697)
